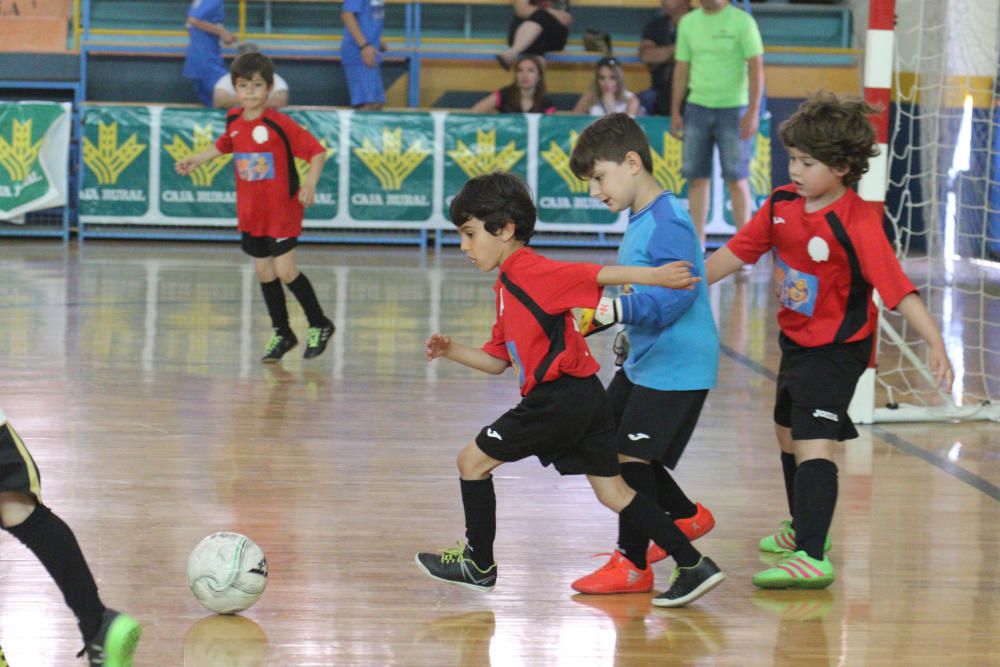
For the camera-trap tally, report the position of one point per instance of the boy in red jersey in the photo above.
(829, 251)
(564, 417)
(270, 201)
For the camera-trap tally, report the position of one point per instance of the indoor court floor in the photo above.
(131, 372)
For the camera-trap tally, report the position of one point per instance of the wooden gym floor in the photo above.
(131, 372)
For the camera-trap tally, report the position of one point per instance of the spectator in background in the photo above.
(608, 93)
(526, 95)
(720, 63)
(203, 59)
(538, 27)
(361, 52)
(656, 51)
(225, 97)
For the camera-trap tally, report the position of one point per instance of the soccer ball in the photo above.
(227, 572)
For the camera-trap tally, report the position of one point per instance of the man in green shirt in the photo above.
(720, 63)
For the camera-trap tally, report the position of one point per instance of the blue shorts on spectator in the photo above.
(705, 128)
(364, 84)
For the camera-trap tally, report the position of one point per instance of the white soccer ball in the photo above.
(227, 572)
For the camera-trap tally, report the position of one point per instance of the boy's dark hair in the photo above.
(609, 138)
(496, 199)
(248, 64)
(835, 131)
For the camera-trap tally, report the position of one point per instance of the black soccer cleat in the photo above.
(456, 566)
(690, 583)
(317, 338)
(277, 347)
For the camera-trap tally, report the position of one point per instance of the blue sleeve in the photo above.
(353, 6)
(210, 11)
(671, 241)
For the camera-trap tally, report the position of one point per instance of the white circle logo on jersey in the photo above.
(260, 134)
(818, 249)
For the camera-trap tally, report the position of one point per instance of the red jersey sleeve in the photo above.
(495, 346)
(304, 144)
(224, 144)
(568, 285)
(754, 239)
(879, 265)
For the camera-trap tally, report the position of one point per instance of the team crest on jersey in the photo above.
(797, 290)
(254, 166)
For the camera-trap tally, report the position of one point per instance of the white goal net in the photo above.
(944, 204)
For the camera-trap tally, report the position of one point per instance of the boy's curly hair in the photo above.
(835, 131)
(496, 199)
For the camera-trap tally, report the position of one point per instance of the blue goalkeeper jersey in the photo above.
(675, 346)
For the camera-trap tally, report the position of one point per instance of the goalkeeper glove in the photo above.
(607, 313)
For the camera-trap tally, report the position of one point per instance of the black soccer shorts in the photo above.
(815, 387)
(566, 422)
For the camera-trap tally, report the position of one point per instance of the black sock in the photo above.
(650, 519)
(53, 543)
(631, 540)
(788, 466)
(274, 298)
(669, 494)
(815, 500)
(480, 503)
(303, 291)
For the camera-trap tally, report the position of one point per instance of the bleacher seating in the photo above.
(35, 26)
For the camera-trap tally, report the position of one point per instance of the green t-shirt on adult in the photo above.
(717, 47)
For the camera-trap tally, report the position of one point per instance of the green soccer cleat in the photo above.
(115, 641)
(3, 660)
(783, 541)
(797, 570)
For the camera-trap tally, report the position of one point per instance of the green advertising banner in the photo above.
(116, 161)
(562, 197)
(325, 126)
(34, 153)
(210, 190)
(475, 145)
(391, 167)
(392, 170)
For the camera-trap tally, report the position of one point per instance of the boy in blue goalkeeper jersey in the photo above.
(673, 359)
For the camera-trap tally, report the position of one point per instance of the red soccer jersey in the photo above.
(267, 183)
(535, 330)
(826, 264)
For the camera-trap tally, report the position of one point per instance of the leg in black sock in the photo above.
(631, 540)
(303, 291)
(788, 466)
(670, 496)
(815, 500)
(647, 516)
(53, 543)
(480, 503)
(274, 298)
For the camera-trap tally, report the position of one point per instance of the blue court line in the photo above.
(903, 445)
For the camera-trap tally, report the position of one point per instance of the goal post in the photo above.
(932, 66)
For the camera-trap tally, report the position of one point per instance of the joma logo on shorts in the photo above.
(823, 414)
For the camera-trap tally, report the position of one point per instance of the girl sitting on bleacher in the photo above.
(526, 95)
(608, 94)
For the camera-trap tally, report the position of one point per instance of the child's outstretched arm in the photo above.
(721, 264)
(439, 345)
(676, 275)
(912, 308)
(189, 164)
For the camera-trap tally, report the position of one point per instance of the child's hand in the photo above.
(437, 346)
(676, 275)
(941, 367)
(185, 166)
(307, 195)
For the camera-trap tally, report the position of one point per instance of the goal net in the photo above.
(943, 202)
